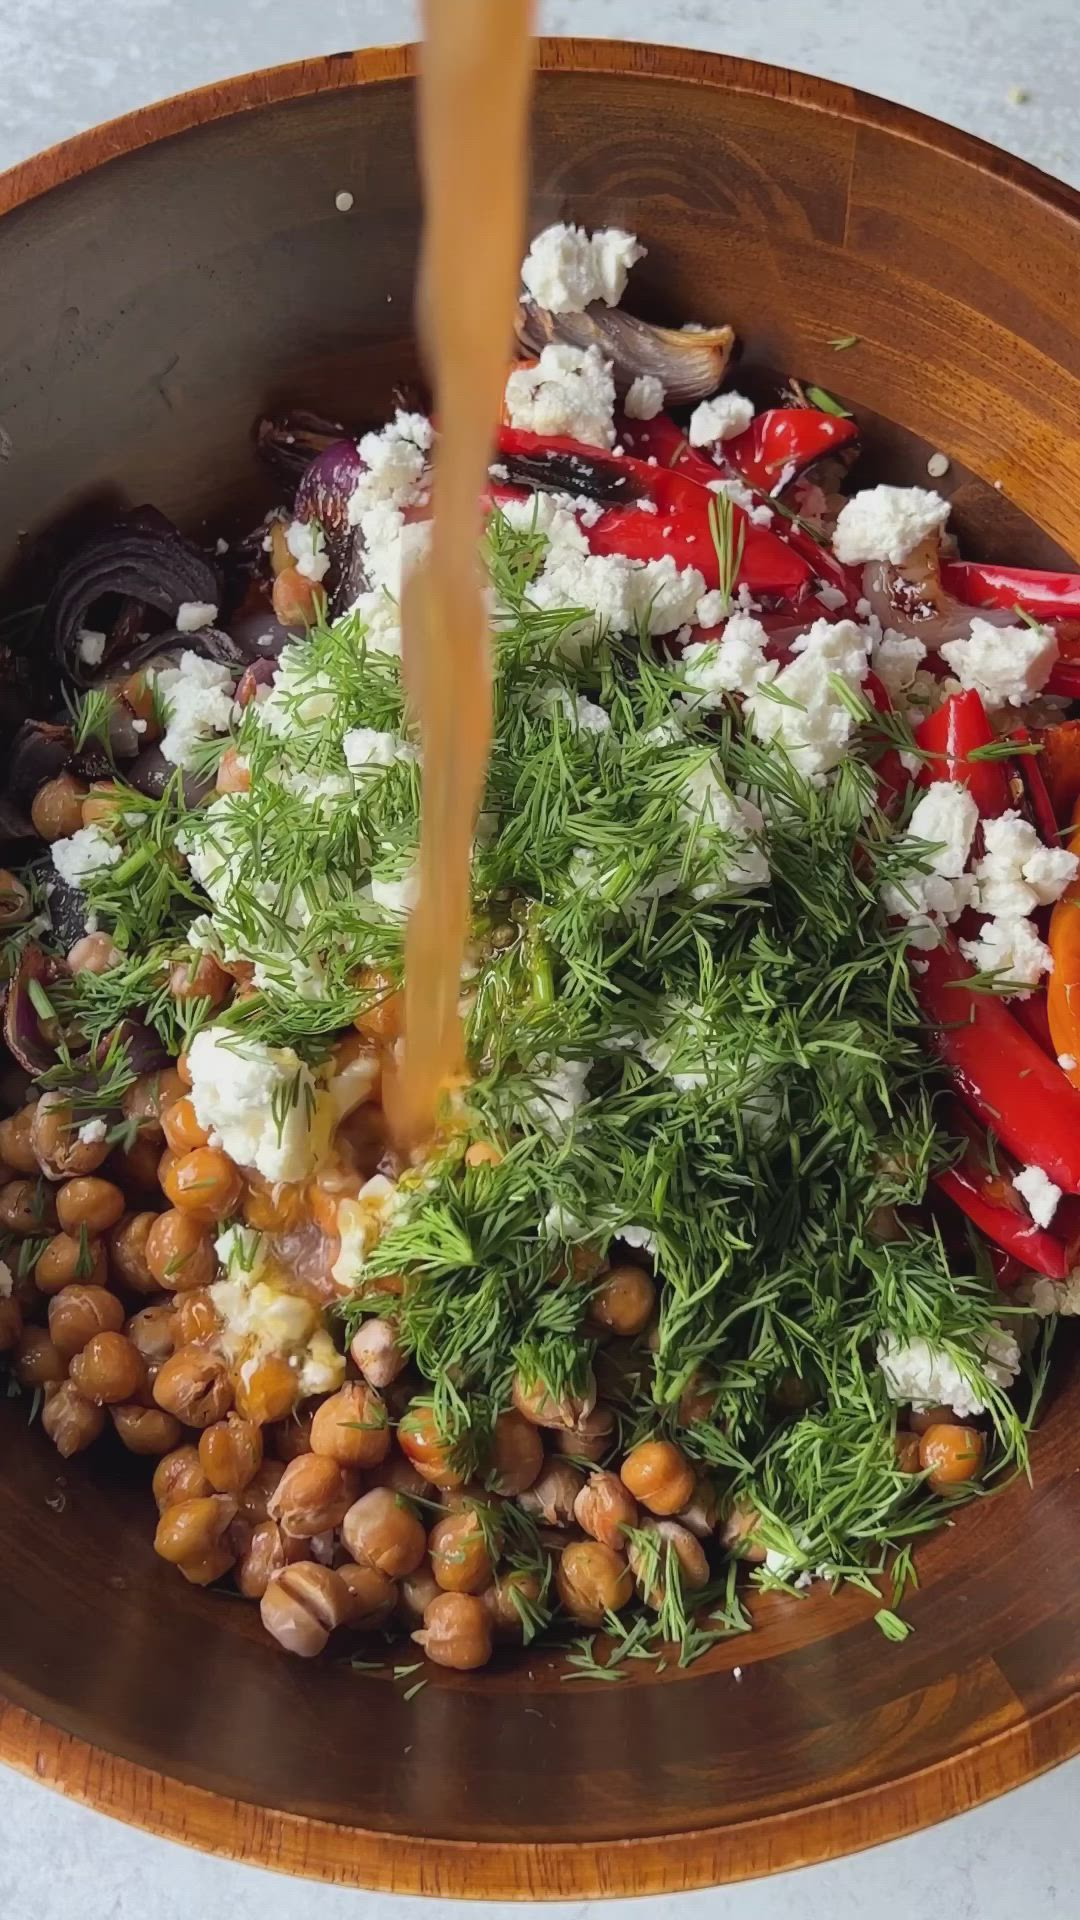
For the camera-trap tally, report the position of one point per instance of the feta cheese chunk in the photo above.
(729, 835)
(620, 595)
(1017, 871)
(934, 890)
(644, 397)
(1048, 1297)
(84, 853)
(1040, 1194)
(365, 748)
(569, 392)
(361, 1225)
(260, 1103)
(193, 614)
(92, 1132)
(721, 418)
(887, 523)
(566, 268)
(1012, 947)
(922, 1375)
(91, 646)
(896, 659)
(557, 1091)
(735, 663)
(1005, 665)
(305, 542)
(198, 700)
(806, 714)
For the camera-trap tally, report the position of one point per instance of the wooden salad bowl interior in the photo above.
(175, 275)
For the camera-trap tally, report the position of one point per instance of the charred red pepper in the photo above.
(985, 1193)
(953, 733)
(663, 440)
(787, 437)
(1029, 785)
(893, 777)
(1045, 596)
(1001, 1074)
(1059, 764)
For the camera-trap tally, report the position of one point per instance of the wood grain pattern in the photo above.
(182, 269)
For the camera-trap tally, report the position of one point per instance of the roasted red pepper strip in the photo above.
(1045, 596)
(893, 777)
(1063, 986)
(952, 733)
(784, 437)
(984, 1191)
(1001, 1074)
(1059, 764)
(1034, 1018)
(1027, 771)
(663, 440)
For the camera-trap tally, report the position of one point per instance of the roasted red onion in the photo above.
(289, 442)
(22, 1021)
(141, 558)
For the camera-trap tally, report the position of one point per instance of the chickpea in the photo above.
(906, 1449)
(416, 1593)
(77, 1313)
(150, 1332)
(16, 1147)
(460, 1557)
(102, 804)
(551, 1497)
(274, 1209)
(535, 1403)
(38, 1362)
(68, 1258)
(375, 1351)
(11, 1322)
(195, 1385)
(374, 1597)
(921, 1419)
(146, 1430)
(231, 1452)
(94, 953)
(15, 906)
(198, 976)
(951, 1455)
(382, 1018)
(147, 1099)
(291, 1437)
(697, 1400)
(604, 1509)
(179, 1477)
(517, 1454)
(136, 1170)
(503, 1612)
(191, 1535)
(738, 1534)
(204, 1183)
(108, 1370)
(701, 1512)
(56, 810)
(423, 1445)
(303, 1604)
(456, 1632)
(351, 1427)
(210, 1566)
(72, 1423)
(267, 1392)
(94, 1204)
(254, 1499)
(313, 1494)
(592, 1440)
(400, 1476)
(136, 691)
(658, 1475)
(126, 1242)
(624, 1300)
(54, 1135)
(296, 599)
(262, 1559)
(483, 1153)
(180, 1252)
(592, 1580)
(180, 1127)
(194, 1318)
(651, 1577)
(233, 774)
(27, 1207)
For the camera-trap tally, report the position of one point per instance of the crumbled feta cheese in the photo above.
(569, 391)
(365, 747)
(92, 1132)
(887, 523)
(91, 646)
(1010, 947)
(644, 397)
(938, 466)
(396, 893)
(322, 1367)
(734, 664)
(711, 609)
(832, 598)
(381, 617)
(343, 200)
(940, 834)
(394, 471)
(566, 268)
(556, 1093)
(260, 1102)
(299, 697)
(559, 1223)
(640, 1237)
(7, 1281)
(198, 700)
(1040, 1193)
(735, 861)
(721, 418)
(922, 1375)
(896, 659)
(1067, 1062)
(1048, 1297)
(304, 539)
(193, 614)
(740, 495)
(1017, 871)
(83, 854)
(621, 595)
(583, 715)
(1005, 665)
(808, 717)
(361, 1225)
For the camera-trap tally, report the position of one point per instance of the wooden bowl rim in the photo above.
(413, 1864)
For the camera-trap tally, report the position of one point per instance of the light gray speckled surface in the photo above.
(65, 64)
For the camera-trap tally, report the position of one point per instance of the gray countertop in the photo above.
(1001, 71)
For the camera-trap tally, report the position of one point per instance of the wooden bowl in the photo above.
(176, 273)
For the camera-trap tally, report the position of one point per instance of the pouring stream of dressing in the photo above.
(474, 97)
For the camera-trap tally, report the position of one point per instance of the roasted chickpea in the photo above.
(456, 1632)
(697, 1400)
(624, 1300)
(592, 1580)
(94, 1204)
(701, 1511)
(592, 1440)
(302, 1606)
(483, 1153)
(137, 692)
(38, 1361)
(180, 1127)
(126, 1242)
(94, 953)
(380, 1530)
(204, 1183)
(11, 1322)
(135, 1169)
(374, 1597)
(56, 1139)
(604, 1509)
(383, 1015)
(296, 599)
(517, 1454)
(532, 1399)
(921, 1419)
(147, 1099)
(375, 1351)
(313, 1495)
(351, 1427)
(195, 1385)
(146, 1430)
(506, 1614)
(292, 1436)
(15, 903)
(233, 774)
(267, 1392)
(551, 1497)
(658, 1475)
(56, 809)
(951, 1455)
(231, 1452)
(72, 1423)
(192, 1535)
(27, 1207)
(650, 1572)
(179, 1477)
(150, 1332)
(16, 1146)
(67, 1258)
(179, 1251)
(400, 1476)
(108, 1370)
(422, 1444)
(906, 1448)
(195, 1319)
(200, 977)
(416, 1593)
(461, 1557)
(263, 1557)
(77, 1313)
(739, 1532)
(254, 1499)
